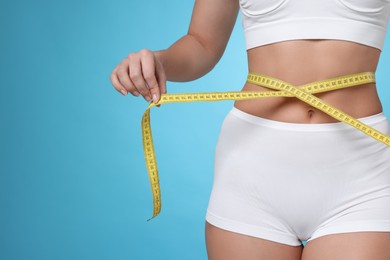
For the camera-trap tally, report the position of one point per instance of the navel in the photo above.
(311, 113)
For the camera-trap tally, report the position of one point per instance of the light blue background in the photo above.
(73, 183)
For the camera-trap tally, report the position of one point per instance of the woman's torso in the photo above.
(304, 61)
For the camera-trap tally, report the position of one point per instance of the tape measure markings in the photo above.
(320, 104)
(284, 89)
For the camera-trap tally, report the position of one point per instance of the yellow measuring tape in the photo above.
(281, 89)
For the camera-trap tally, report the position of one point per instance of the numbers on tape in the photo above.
(320, 104)
(280, 89)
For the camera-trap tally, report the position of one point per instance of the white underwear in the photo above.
(289, 182)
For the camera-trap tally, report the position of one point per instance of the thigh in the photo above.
(346, 246)
(226, 245)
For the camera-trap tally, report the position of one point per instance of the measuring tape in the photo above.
(283, 89)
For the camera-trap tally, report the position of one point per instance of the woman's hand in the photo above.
(140, 73)
(192, 56)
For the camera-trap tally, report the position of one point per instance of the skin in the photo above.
(145, 73)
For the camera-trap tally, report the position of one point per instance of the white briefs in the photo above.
(289, 182)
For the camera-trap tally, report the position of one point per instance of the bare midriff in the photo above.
(303, 61)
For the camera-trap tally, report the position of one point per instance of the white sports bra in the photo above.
(269, 21)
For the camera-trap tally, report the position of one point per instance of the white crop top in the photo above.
(269, 21)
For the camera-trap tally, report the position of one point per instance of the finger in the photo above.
(124, 79)
(116, 83)
(149, 73)
(161, 78)
(137, 79)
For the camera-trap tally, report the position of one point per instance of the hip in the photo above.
(247, 138)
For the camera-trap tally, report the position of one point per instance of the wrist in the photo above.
(160, 57)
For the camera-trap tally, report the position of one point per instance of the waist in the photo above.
(358, 101)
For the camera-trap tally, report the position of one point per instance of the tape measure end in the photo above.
(151, 218)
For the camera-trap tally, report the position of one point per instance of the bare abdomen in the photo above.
(305, 61)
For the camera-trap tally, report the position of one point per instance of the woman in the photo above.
(285, 171)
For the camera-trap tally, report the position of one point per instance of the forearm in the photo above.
(145, 72)
(187, 59)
